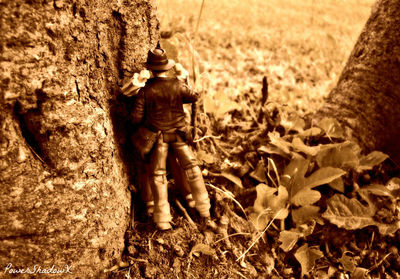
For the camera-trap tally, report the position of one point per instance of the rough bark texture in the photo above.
(367, 97)
(63, 182)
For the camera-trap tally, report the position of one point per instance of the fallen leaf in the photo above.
(202, 248)
(360, 273)
(347, 262)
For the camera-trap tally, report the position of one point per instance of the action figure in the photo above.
(159, 109)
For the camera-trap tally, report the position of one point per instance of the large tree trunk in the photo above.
(63, 182)
(367, 97)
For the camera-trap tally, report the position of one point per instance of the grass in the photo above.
(301, 46)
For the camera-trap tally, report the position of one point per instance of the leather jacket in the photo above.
(159, 104)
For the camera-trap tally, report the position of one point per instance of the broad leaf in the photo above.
(271, 149)
(293, 175)
(371, 160)
(305, 214)
(271, 202)
(348, 213)
(307, 256)
(305, 197)
(289, 239)
(339, 155)
(323, 176)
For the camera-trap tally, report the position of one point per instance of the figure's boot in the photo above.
(180, 179)
(199, 191)
(162, 215)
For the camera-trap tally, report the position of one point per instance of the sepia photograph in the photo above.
(200, 139)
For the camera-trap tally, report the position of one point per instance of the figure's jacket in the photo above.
(159, 104)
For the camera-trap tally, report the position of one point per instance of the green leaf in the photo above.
(305, 214)
(323, 176)
(337, 184)
(271, 202)
(233, 178)
(307, 256)
(340, 155)
(259, 173)
(305, 197)
(371, 160)
(348, 213)
(299, 146)
(331, 127)
(293, 175)
(288, 239)
(279, 142)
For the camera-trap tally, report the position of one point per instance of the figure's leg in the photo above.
(180, 178)
(145, 188)
(195, 178)
(159, 186)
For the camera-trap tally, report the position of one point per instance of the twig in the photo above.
(208, 136)
(37, 155)
(229, 196)
(259, 236)
(380, 262)
(275, 170)
(185, 213)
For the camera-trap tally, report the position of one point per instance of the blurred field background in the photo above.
(301, 46)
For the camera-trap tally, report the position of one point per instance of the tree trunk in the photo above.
(366, 99)
(64, 184)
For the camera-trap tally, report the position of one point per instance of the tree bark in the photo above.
(64, 183)
(366, 99)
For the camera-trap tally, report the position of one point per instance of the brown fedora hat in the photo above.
(157, 60)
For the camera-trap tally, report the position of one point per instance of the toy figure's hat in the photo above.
(157, 60)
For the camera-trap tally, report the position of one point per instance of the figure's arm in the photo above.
(188, 94)
(138, 111)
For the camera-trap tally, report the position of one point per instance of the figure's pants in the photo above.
(158, 180)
